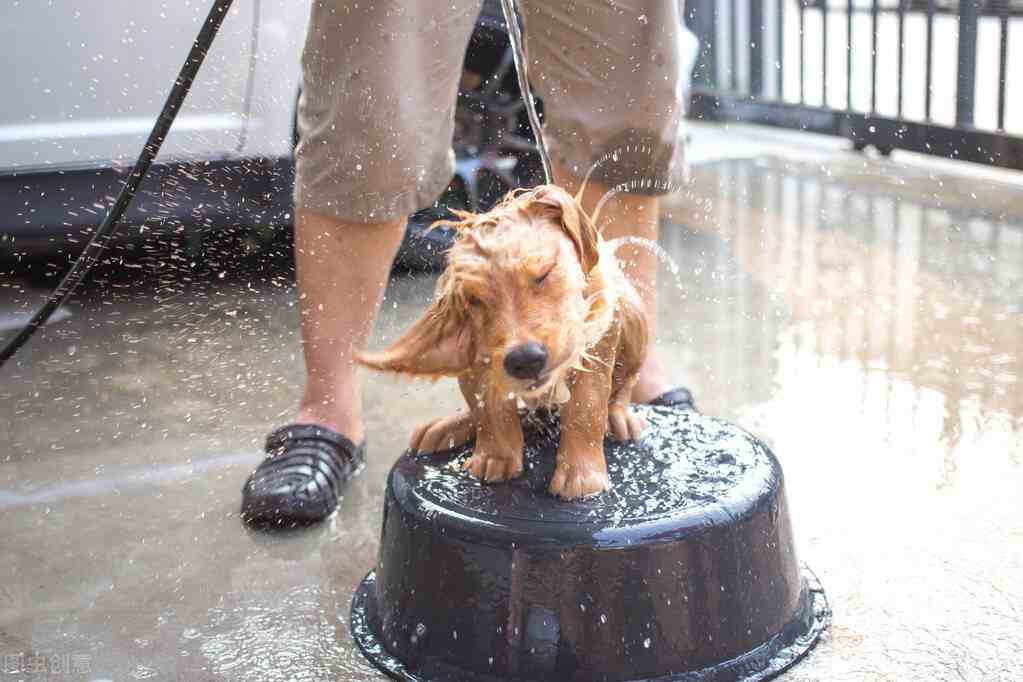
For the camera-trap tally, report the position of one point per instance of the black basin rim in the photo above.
(468, 524)
(667, 528)
(765, 662)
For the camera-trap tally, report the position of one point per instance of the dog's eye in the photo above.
(473, 301)
(541, 278)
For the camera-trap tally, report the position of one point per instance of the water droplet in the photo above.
(144, 672)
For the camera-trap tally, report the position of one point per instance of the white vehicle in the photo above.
(83, 81)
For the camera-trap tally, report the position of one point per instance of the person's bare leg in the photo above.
(342, 272)
(631, 215)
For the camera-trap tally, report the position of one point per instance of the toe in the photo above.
(431, 439)
(575, 487)
(598, 484)
(417, 436)
(619, 425)
(496, 471)
(636, 426)
(557, 484)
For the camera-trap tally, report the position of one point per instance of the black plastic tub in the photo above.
(686, 570)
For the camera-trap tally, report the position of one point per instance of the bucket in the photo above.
(685, 570)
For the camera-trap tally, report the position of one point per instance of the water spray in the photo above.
(101, 239)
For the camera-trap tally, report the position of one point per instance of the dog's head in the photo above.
(521, 285)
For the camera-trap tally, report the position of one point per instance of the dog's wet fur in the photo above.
(532, 310)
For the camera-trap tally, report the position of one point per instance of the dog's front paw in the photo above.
(580, 475)
(491, 465)
(445, 433)
(623, 424)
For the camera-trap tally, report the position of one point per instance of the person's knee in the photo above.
(615, 91)
(640, 157)
(633, 141)
(642, 160)
(371, 182)
(375, 120)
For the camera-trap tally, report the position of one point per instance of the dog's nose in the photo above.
(526, 361)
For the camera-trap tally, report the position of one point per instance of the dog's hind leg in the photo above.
(622, 423)
(443, 434)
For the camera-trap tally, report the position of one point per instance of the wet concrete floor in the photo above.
(864, 316)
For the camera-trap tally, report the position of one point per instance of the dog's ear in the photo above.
(438, 345)
(574, 221)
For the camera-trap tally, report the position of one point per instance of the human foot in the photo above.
(340, 421)
(309, 461)
(302, 478)
(654, 388)
(336, 405)
(653, 380)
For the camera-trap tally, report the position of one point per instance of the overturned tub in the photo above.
(686, 570)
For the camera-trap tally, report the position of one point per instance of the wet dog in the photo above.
(532, 310)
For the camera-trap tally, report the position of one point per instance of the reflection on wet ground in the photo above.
(864, 317)
(872, 332)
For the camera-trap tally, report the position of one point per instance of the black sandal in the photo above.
(302, 479)
(678, 397)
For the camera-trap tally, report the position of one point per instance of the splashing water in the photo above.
(636, 183)
(647, 184)
(653, 247)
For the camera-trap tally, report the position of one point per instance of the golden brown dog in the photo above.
(532, 309)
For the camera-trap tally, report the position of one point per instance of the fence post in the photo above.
(756, 48)
(967, 79)
(703, 20)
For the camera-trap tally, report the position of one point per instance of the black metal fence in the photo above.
(930, 76)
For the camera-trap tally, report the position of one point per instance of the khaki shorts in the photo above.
(380, 82)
